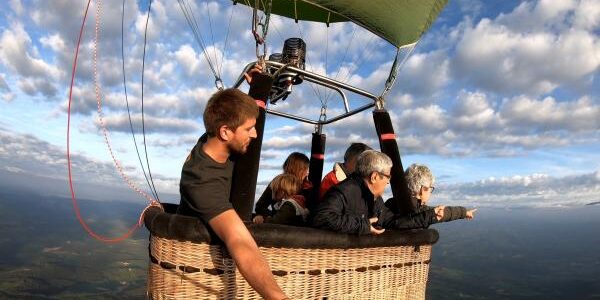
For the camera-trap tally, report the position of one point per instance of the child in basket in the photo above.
(289, 207)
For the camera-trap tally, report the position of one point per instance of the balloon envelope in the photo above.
(400, 22)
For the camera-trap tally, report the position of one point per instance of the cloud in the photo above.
(550, 114)
(17, 53)
(473, 111)
(16, 6)
(26, 156)
(425, 74)
(534, 190)
(35, 86)
(533, 50)
(120, 123)
(5, 91)
(3, 85)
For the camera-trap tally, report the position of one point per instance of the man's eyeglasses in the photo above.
(385, 175)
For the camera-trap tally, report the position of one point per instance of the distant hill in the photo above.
(594, 203)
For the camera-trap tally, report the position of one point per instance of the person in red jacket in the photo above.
(342, 170)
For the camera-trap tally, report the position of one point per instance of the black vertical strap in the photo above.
(315, 171)
(401, 203)
(245, 172)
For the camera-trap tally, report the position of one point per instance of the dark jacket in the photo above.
(291, 211)
(348, 206)
(264, 205)
(409, 221)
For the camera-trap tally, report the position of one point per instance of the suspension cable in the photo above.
(330, 93)
(127, 101)
(69, 167)
(226, 41)
(212, 36)
(142, 87)
(191, 20)
(389, 83)
(315, 90)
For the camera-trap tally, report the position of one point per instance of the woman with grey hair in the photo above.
(420, 182)
(355, 205)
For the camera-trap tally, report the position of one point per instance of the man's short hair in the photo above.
(230, 107)
(418, 176)
(372, 161)
(355, 150)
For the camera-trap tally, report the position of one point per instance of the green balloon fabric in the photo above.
(400, 22)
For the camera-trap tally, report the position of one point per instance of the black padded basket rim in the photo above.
(169, 225)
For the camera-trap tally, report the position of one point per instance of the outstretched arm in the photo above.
(244, 251)
(451, 213)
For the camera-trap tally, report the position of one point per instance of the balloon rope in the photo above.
(69, 165)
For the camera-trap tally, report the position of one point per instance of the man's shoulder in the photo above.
(349, 185)
(199, 159)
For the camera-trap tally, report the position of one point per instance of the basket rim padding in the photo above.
(185, 228)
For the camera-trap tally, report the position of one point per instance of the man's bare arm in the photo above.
(244, 251)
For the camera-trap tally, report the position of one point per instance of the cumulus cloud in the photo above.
(18, 54)
(5, 91)
(534, 190)
(474, 111)
(16, 6)
(425, 74)
(550, 114)
(120, 123)
(534, 49)
(25, 155)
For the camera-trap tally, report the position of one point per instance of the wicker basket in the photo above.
(346, 268)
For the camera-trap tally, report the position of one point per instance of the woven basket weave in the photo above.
(188, 262)
(186, 270)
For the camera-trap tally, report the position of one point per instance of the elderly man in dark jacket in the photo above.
(355, 205)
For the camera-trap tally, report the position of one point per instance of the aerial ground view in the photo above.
(103, 102)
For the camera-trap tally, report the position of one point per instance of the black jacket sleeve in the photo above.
(421, 219)
(330, 215)
(452, 213)
(264, 202)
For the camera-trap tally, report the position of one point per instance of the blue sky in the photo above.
(500, 98)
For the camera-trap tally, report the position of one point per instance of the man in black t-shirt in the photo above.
(229, 119)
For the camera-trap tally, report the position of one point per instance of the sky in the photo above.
(501, 99)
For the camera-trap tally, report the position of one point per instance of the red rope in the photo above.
(73, 198)
(118, 166)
